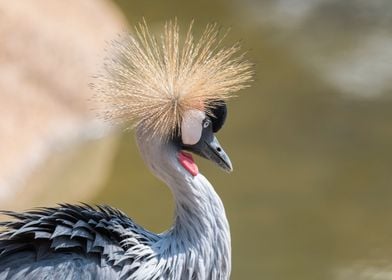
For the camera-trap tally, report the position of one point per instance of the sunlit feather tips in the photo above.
(150, 81)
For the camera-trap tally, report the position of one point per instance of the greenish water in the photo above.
(310, 195)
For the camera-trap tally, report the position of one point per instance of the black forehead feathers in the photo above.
(218, 117)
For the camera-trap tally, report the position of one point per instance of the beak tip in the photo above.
(229, 167)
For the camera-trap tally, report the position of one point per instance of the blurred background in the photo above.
(311, 195)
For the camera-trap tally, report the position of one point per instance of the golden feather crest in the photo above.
(151, 82)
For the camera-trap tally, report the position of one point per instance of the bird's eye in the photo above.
(206, 123)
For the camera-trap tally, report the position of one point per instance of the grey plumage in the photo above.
(83, 242)
(72, 241)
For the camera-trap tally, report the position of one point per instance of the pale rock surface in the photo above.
(49, 49)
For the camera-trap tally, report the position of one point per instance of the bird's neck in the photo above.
(201, 227)
(200, 232)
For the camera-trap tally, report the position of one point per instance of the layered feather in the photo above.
(102, 241)
(150, 82)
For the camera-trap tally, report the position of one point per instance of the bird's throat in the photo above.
(186, 160)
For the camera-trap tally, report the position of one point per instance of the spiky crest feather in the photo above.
(151, 82)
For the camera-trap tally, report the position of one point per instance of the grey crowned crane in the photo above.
(173, 93)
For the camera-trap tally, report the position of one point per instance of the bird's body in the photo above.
(175, 97)
(81, 242)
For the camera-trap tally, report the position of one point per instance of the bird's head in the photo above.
(197, 135)
(174, 88)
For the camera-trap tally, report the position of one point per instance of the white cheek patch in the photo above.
(192, 126)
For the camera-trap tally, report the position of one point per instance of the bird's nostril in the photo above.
(219, 149)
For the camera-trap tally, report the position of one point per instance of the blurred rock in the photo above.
(48, 52)
(363, 270)
(346, 42)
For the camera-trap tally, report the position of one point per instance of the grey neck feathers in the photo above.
(199, 240)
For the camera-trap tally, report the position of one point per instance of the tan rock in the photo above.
(48, 52)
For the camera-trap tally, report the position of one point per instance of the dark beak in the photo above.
(214, 152)
(209, 148)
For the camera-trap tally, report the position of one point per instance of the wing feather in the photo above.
(76, 241)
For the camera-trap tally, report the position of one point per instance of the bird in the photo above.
(173, 92)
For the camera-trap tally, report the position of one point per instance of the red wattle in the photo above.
(187, 162)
